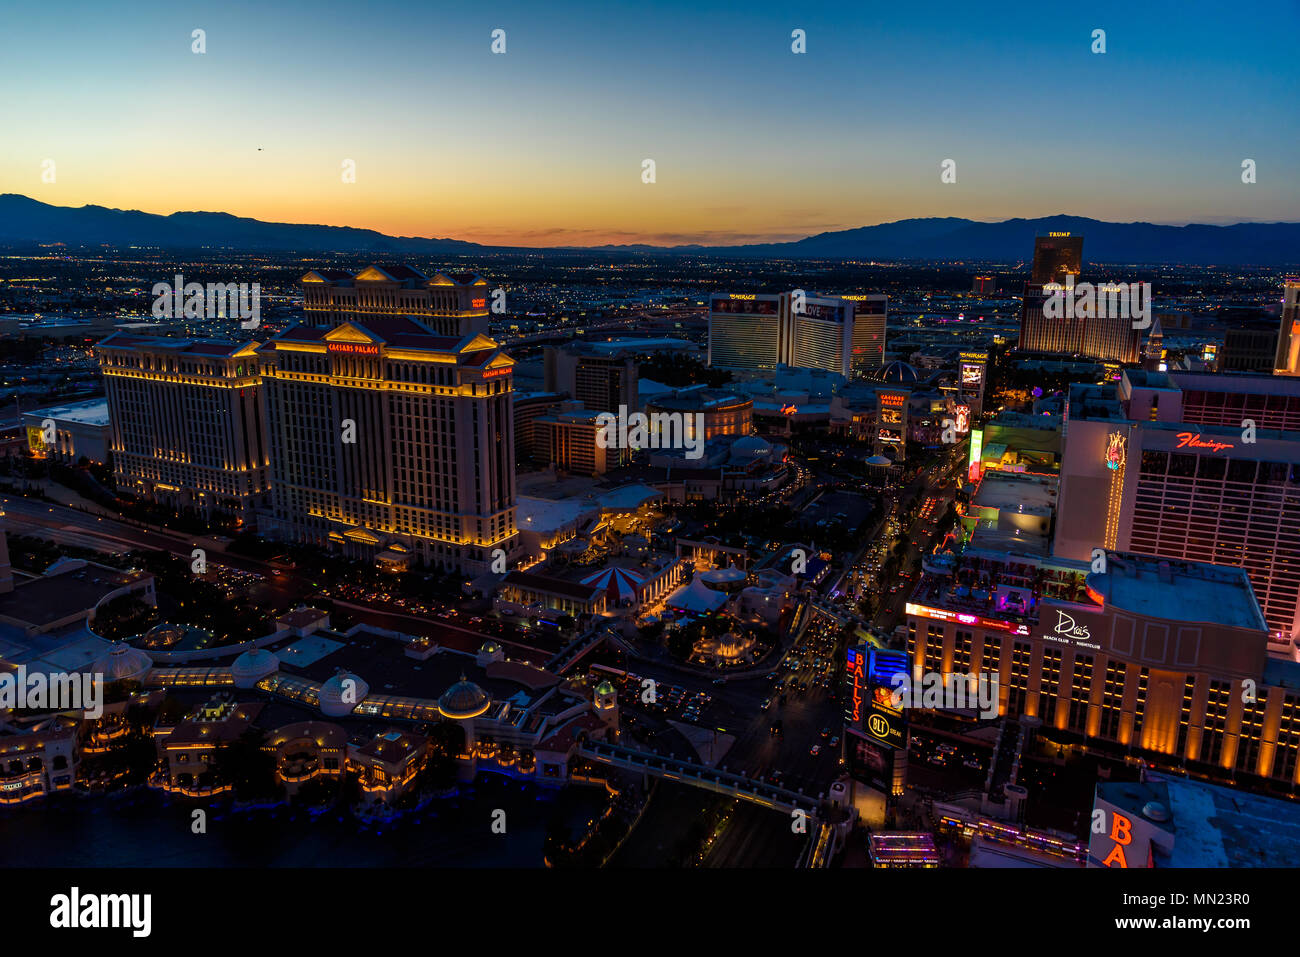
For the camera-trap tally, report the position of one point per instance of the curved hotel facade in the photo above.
(1165, 657)
(759, 331)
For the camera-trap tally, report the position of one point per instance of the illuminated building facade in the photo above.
(725, 413)
(529, 407)
(388, 437)
(1163, 656)
(745, 330)
(1109, 339)
(1287, 360)
(1164, 464)
(450, 303)
(80, 430)
(822, 334)
(186, 421)
(602, 379)
(870, 316)
(759, 331)
(571, 441)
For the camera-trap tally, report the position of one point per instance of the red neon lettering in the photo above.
(1188, 440)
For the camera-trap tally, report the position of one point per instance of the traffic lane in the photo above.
(37, 519)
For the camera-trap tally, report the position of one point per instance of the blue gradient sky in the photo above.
(543, 146)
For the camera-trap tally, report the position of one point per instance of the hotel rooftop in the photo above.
(1009, 587)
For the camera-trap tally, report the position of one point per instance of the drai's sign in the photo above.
(1064, 627)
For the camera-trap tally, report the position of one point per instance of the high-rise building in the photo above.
(1091, 334)
(1187, 465)
(821, 333)
(1250, 346)
(529, 407)
(759, 331)
(571, 441)
(1056, 256)
(387, 437)
(599, 375)
(1136, 654)
(449, 303)
(745, 330)
(870, 316)
(186, 421)
(1287, 361)
(984, 285)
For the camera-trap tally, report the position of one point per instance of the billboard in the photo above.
(886, 726)
(870, 761)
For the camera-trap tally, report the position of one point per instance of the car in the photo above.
(767, 703)
(826, 732)
(972, 763)
(719, 681)
(815, 750)
(835, 741)
(777, 730)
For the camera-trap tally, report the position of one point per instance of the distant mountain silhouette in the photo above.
(23, 219)
(1012, 240)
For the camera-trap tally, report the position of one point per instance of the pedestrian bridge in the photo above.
(702, 776)
(568, 656)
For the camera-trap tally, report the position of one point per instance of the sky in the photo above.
(544, 144)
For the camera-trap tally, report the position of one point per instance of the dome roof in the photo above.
(898, 373)
(464, 699)
(332, 701)
(252, 666)
(489, 647)
(604, 688)
(619, 583)
(752, 446)
(122, 663)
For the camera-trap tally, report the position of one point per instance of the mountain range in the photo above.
(25, 220)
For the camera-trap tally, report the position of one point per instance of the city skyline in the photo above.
(531, 151)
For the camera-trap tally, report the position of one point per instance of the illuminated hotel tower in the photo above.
(1055, 257)
(745, 330)
(449, 303)
(1288, 334)
(870, 316)
(186, 421)
(389, 439)
(760, 331)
